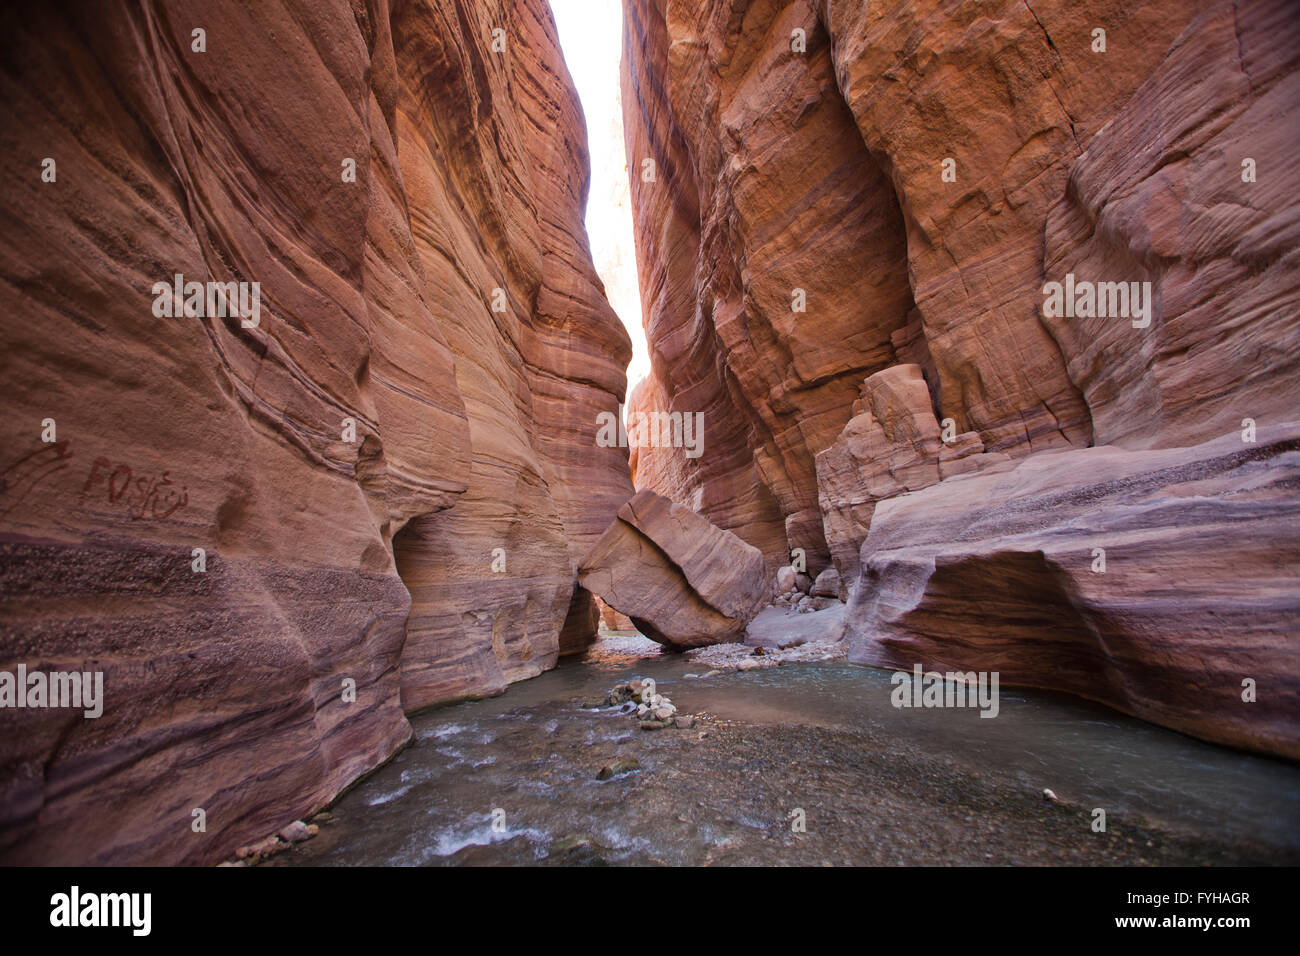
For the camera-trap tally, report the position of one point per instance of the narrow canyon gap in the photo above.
(278, 538)
(852, 214)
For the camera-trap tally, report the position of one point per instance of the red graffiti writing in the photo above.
(143, 496)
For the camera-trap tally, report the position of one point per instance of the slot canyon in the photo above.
(305, 536)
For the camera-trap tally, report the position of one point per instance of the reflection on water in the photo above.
(808, 732)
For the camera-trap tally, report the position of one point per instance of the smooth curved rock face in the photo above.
(500, 208)
(723, 483)
(1222, 254)
(1156, 582)
(773, 258)
(681, 580)
(821, 170)
(1000, 150)
(1013, 93)
(230, 689)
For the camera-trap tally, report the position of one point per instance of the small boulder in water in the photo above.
(1049, 796)
(618, 768)
(619, 694)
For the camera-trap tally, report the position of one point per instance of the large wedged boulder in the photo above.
(682, 581)
(1158, 582)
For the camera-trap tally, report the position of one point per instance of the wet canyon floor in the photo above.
(514, 780)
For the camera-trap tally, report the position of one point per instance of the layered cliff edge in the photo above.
(275, 534)
(971, 296)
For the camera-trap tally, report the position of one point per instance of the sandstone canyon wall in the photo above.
(847, 218)
(391, 476)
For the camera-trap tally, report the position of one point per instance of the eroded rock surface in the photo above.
(996, 148)
(799, 233)
(1156, 582)
(431, 352)
(1159, 194)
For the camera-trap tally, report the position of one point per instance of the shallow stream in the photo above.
(514, 779)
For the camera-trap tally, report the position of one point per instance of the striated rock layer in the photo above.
(391, 475)
(849, 218)
(819, 170)
(1161, 195)
(891, 445)
(1156, 582)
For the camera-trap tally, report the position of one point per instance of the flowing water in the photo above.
(800, 764)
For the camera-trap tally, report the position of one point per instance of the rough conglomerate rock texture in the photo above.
(847, 217)
(440, 304)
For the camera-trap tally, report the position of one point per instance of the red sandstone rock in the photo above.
(1159, 195)
(755, 153)
(231, 690)
(432, 556)
(890, 446)
(822, 170)
(681, 581)
(1123, 165)
(613, 619)
(1153, 581)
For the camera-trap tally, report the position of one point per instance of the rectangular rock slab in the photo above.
(682, 581)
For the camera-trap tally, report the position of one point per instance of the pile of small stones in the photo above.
(803, 603)
(651, 708)
(295, 832)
